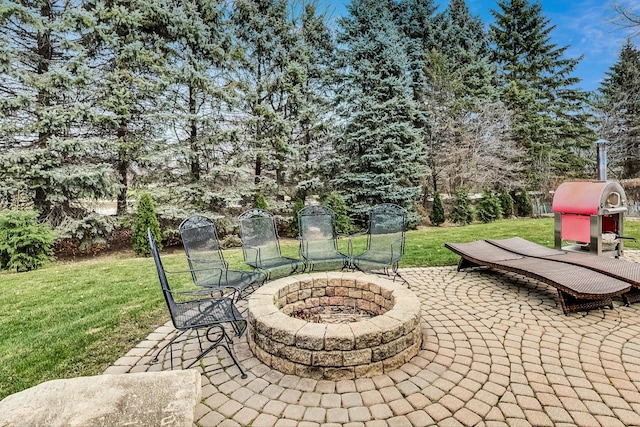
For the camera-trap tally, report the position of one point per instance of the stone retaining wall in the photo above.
(334, 351)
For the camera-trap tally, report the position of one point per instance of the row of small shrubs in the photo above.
(492, 206)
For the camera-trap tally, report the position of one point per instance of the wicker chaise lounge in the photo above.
(579, 288)
(624, 270)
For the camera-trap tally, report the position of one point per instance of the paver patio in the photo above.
(497, 351)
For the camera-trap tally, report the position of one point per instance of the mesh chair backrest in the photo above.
(201, 246)
(387, 224)
(164, 283)
(258, 230)
(317, 230)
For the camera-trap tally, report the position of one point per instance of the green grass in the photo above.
(76, 319)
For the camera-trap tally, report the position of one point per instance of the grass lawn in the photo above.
(76, 318)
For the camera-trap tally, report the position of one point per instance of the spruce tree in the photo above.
(269, 78)
(129, 45)
(538, 86)
(336, 202)
(462, 39)
(506, 203)
(437, 212)
(379, 156)
(145, 218)
(462, 210)
(620, 106)
(46, 159)
(315, 125)
(489, 208)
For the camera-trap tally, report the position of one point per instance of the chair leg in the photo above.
(169, 344)
(221, 339)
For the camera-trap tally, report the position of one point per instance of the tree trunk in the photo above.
(194, 156)
(45, 55)
(122, 167)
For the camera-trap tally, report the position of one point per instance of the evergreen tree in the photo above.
(620, 105)
(145, 218)
(522, 203)
(201, 51)
(315, 126)
(129, 45)
(336, 202)
(489, 208)
(416, 22)
(538, 86)
(46, 160)
(461, 38)
(461, 211)
(269, 78)
(260, 202)
(506, 203)
(379, 156)
(437, 212)
(25, 244)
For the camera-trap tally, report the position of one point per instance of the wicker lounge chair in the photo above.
(194, 313)
(579, 288)
(620, 269)
(207, 264)
(261, 245)
(318, 239)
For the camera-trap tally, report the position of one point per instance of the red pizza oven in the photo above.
(589, 215)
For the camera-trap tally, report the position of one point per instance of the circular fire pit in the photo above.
(285, 335)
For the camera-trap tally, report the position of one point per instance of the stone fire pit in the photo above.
(281, 339)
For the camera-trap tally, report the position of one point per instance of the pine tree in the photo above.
(379, 155)
(336, 202)
(461, 38)
(145, 219)
(437, 212)
(462, 210)
(506, 203)
(538, 86)
(201, 56)
(489, 208)
(620, 105)
(129, 45)
(269, 77)
(46, 159)
(315, 126)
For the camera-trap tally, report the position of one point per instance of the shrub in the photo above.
(260, 202)
(437, 212)
(462, 211)
(91, 230)
(336, 202)
(25, 244)
(506, 203)
(145, 219)
(523, 204)
(489, 207)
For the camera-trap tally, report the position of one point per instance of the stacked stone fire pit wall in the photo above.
(334, 351)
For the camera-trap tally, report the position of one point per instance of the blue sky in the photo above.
(586, 25)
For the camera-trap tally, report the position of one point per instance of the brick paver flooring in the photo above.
(497, 351)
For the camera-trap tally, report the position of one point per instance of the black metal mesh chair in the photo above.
(385, 239)
(318, 239)
(206, 316)
(261, 245)
(207, 264)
